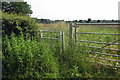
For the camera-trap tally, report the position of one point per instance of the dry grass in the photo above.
(57, 25)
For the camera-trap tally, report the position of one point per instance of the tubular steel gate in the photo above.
(96, 49)
(60, 36)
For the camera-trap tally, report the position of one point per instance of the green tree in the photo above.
(17, 7)
(75, 21)
(89, 20)
(80, 21)
(98, 21)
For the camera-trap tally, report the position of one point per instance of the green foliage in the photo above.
(44, 21)
(16, 7)
(89, 20)
(27, 58)
(18, 24)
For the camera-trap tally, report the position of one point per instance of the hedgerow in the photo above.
(18, 24)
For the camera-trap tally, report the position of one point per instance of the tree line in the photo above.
(77, 21)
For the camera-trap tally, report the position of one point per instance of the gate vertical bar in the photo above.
(41, 35)
(75, 34)
(118, 24)
(70, 35)
(1, 42)
(62, 34)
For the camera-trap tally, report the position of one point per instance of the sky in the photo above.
(74, 9)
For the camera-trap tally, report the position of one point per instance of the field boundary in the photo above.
(74, 37)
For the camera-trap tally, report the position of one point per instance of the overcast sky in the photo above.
(74, 9)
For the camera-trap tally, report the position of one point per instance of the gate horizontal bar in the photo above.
(96, 33)
(50, 38)
(105, 64)
(96, 42)
(105, 54)
(101, 48)
(103, 59)
(97, 23)
(50, 31)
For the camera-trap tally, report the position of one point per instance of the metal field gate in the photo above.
(58, 35)
(94, 49)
